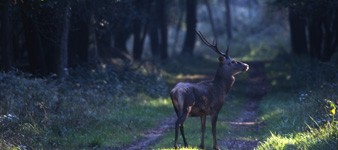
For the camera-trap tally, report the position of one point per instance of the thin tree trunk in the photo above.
(78, 39)
(297, 29)
(137, 45)
(163, 29)
(7, 37)
(330, 42)
(63, 59)
(36, 59)
(315, 35)
(211, 19)
(228, 19)
(189, 42)
(93, 57)
(178, 27)
(153, 31)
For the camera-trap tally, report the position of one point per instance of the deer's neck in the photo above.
(224, 83)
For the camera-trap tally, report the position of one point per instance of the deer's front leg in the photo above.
(203, 118)
(213, 125)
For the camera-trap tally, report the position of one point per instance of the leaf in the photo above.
(333, 111)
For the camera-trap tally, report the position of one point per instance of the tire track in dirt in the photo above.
(153, 135)
(247, 121)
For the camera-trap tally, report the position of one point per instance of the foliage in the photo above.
(300, 109)
(92, 108)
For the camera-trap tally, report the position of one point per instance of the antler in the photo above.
(213, 46)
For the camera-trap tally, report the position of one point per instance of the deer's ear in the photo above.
(221, 59)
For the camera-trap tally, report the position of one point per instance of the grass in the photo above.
(122, 126)
(91, 109)
(297, 111)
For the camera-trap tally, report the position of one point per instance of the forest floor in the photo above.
(246, 121)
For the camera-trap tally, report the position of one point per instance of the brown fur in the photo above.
(205, 98)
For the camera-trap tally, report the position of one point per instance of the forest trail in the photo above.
(245, 122)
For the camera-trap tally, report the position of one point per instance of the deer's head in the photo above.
(227, 65)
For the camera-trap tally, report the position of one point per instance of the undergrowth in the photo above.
(92, 108)
(300, 110)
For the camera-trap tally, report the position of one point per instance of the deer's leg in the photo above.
(184, 117)
(176, 132)
(179, 124)
(183, 136)
(213, 125)
(203, 118)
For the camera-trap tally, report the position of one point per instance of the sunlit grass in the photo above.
(124, 124)
(325, 137)
(296, 111)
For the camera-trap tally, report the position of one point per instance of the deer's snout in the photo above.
(246, 67)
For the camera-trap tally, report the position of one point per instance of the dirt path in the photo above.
(247, 121)
(151, 136)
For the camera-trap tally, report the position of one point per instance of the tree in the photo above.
(211, 19)
(158, 31)
(298, 31)
(33, 44)
(313, 26)
(6, 38)
(79, 34)
(228, 19)
(63, 56)
(189, 41)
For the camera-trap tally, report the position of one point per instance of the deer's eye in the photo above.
(233, 61)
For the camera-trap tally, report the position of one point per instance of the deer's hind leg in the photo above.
(179, 124)
(203, 119)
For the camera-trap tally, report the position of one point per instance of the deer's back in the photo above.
(196, 95)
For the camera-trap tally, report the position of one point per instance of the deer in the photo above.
(205, 98)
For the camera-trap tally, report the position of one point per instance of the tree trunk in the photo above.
(78, 38)
(178, 27)
(36, 59)
(228, 19)
(315, 35)
(6, 38)
(163, 29)
(211, 19)
(154, 38)
(189, 42)
(138, 44)
(93, 57)
(63, 57)
(330, 41)
(141, 26)
(297, 29)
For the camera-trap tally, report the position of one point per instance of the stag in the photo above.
(206, 97)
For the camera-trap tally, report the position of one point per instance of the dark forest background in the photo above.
(51, 36)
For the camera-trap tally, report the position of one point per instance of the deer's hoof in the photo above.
(216, 148)
(175, 146)
(201, 146)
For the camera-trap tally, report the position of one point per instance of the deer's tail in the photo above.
(177, 98)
